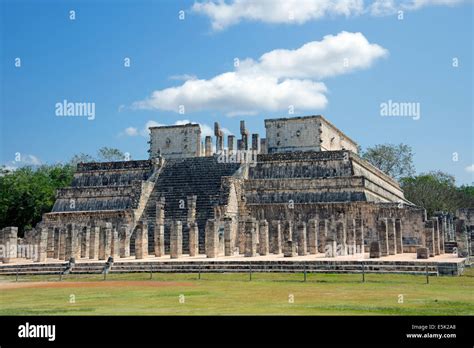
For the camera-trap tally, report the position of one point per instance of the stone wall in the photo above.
(309, 133)
(175, 141)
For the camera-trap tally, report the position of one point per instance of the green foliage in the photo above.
(106, 154)
(436, 191)
(394, 160)
(80, 158)
(27, 193)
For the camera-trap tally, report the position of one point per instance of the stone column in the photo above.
(330, 248)
(70, 245)
(208, 146)
(289, 249)
(115, 252)
(312, 232)
(176, 240)
(322, 233)
(429, 237)
(350, 238)
(256, 143)
(62, 243)
(392, 245)
(436, 240)
(245, 134)
(341, 238)
(382, 234)
(276, 237)
(85, 242)
(442, 232)
(50, 250)
(250, 238)
(159, 230)
(301, 227)
(212, 238)
(57, 245)
(193, 239)
(359, 235)
(230, 143)
(191, 205)
(288, 231)
(263, 243)
(241, 236)
(42, 244)
(228, 240)
(461, 238)
(141, 240)
(374, 250)
(94, 242)
(219, 137)
(105, 241)
(124, 236)
(9, 239)
(399, 236)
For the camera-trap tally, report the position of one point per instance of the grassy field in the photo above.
(234, 294)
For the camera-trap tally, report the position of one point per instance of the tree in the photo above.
(394, 160)
(27, 193)
(106, 154)
(80, 158)
(436, 191)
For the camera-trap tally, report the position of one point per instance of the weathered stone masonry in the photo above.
(302, 190)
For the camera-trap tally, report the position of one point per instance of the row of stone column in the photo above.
(244, 144)
(389, 238)
(334, 238)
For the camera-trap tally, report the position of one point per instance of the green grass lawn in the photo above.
(234, 294)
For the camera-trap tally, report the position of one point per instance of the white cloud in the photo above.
(279, 79)
(183, 77)
(29, 160)
(226, 13)
(23, 160)
(389, 7)
(131, 131)
(334, 55)
(470, 169)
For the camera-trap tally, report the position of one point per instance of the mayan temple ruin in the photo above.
(300, 191)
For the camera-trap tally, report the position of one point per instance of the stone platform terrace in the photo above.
(407, 263)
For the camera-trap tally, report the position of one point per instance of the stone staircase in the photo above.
(34, 268)
(180, 178)
(88, 268)
(275, 266)
(239, 266)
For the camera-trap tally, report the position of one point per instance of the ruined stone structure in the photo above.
(302, 190)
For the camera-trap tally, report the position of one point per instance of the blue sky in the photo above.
(82, 60)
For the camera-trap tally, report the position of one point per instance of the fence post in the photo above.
(151, 272)
(363, 272)
(304, 266)
(250, 271)
(16, 275)
(427, 277)
(199, 276)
